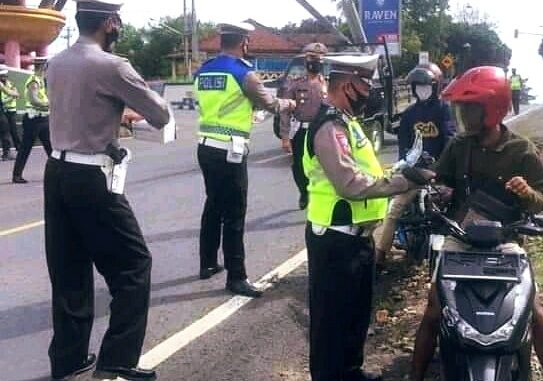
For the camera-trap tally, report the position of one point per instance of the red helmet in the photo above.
(485, 85)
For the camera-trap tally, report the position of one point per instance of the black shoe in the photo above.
(7, 157)
(303, 202)
(244, 288)
(85, 367)
(129, 374)
(362, 375)
(19, 180)
(210, 271)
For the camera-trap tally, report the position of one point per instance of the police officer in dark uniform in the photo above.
(35, 121)
(228, 89)
(87, 218)
(308, 92)
(347, 197)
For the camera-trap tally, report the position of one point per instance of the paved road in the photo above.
(264, 340)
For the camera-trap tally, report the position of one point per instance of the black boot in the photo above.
(85, 367)
(244, 288)
(210, 271)
(19, 180)
(130, 374)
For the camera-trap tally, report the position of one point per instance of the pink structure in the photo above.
(27, 32)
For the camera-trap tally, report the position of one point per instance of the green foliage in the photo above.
(148, 48)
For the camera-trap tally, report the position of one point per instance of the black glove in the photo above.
(418, 176)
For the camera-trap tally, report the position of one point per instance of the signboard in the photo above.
(381, 19)
(424, 58)
(447, 61)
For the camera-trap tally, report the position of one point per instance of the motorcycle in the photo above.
(486, 290)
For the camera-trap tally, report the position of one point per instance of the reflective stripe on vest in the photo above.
(9, 102)
(322, 194)
(225, 111)
(516, 82)
(42, 93)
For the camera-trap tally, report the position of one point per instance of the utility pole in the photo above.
(195, 37)
(68, 35)
(188, 64)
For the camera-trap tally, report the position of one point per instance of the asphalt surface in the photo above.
(265, 340)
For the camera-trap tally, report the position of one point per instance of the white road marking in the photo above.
(270, 159)
(172, 345)
(22, 228)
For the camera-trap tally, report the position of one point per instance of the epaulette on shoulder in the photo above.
(327, 113)
(245, 62)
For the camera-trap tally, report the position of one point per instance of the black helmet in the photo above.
(421, 76)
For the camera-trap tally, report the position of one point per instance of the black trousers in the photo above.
(341, 276)
(224, 211)
(12, 121)
(4, 133)
(298, 145)
(516, 101)
(32, 129)
(86, 225)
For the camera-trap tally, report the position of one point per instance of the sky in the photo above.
(524, 15)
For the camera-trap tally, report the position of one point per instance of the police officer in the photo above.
(516, 87)
(308, 92)
(347, 197)
(227, 89)
(87, 218)
(8, 98)
(35, 121)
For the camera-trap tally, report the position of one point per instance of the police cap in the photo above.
(315, 48)
(360, 65)
(239, 28)
(99, 6)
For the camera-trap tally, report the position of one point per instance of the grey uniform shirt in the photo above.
(308, 94)
(336, 158)
(88, 91)
(254, 89)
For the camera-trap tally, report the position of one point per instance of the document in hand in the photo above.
(144, 131)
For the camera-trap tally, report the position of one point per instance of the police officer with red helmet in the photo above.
(485, 157)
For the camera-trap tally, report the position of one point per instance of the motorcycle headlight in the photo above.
(503, 333)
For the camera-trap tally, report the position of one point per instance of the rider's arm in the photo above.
(448, 123)
(445, 167)
(533, 173)
(331, 146)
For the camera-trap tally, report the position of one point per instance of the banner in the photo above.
(382, 19)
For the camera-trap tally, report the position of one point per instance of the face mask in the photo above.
(313, 67)
(111, 39)
(358, 104)
(424, 92)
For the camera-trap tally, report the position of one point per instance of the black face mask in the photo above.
(313, 67)
(358, 104)
(111, 39)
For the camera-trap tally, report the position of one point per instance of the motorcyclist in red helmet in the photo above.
(500, 163)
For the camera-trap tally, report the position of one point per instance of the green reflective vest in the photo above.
(9, 103)
(225, 111)
(516, 82)
(42, 93)
(322, 194)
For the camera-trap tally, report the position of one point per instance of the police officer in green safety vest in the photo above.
(8, 111)
(227, 90)
(35, 120)
(516, 87)
(348, 196)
